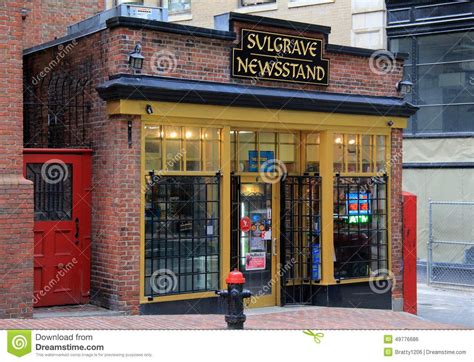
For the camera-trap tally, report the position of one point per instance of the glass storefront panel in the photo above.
(356, 153)
(255, 254)
(287, 151)
(186, 148)
(339, 153)
(174, 149)
(312, 152)
(366, 153)
(352, 153)
(181, 234)
(153, 148)
(193, 151)
(253, 149)
(288, 156)
(247, 151)
(381, 154)
(211, 155)
(360, 226)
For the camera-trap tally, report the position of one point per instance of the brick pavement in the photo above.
(272, 318)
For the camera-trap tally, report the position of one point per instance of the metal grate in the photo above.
(360, 226)
(52, 195)
(181, 234)
(57, 107)
(300, 238)
(450, 253)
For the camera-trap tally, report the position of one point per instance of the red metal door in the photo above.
(62, 205)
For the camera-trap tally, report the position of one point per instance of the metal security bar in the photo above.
(52, 200)
(181, 234)
(451, 243)
(360, 227)
(57, 107)
(300, 238)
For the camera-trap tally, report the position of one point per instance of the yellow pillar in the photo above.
(225, 205)
(327, 207)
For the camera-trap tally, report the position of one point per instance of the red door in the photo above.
(62, 206)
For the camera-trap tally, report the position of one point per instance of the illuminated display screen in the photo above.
(358, 207)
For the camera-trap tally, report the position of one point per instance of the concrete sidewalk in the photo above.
(265, 318)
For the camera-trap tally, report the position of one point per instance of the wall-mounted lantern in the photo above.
(404, 87)
(135, 58)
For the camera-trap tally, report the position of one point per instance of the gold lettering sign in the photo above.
(279, 57)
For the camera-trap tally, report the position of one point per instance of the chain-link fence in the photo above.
(451, 243)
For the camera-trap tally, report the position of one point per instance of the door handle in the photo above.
(274, 247)
(76, 221)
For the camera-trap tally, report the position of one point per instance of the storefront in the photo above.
(259, 146)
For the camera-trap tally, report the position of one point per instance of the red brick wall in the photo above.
(22, 24)
(201, 58)
(397, 217)
(16, 193)
(48, 19)
(116, 216)
(115, 242)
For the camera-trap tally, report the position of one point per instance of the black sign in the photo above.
(286, 58)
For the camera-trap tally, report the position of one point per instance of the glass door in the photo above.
(257, 241)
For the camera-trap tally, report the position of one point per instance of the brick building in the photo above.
(153, 180)
(22, 25)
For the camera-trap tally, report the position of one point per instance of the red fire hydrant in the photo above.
(235, 295)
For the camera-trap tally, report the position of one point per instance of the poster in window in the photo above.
(264, 157)
(358, 207)
(255, 261)
(257, 243)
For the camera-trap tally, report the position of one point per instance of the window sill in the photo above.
(180, 17)
(257, 8)
(300, 3)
